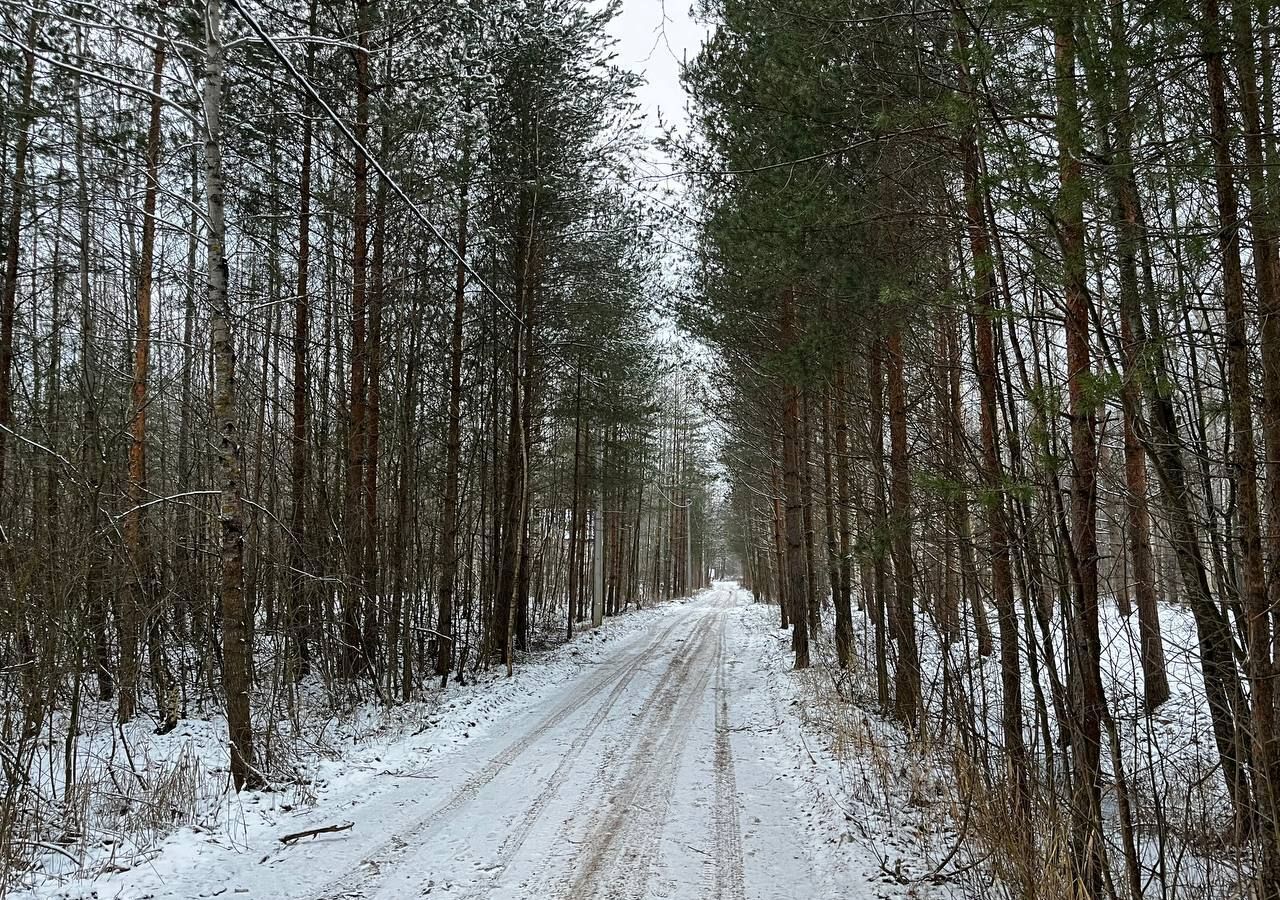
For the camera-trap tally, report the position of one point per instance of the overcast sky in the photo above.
(654, 38)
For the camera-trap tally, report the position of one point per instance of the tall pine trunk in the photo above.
(298, 616)
(1261, 610)
(843, 592)
(353, 660)
(792, 459)
(13, 241)
(1244, 462)
(1087, 697)
(1137, 511)
(453, 451)
(902, 615)
(138, 598)
(237, 655)
(992, 474)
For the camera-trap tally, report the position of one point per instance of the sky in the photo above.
(654, 38)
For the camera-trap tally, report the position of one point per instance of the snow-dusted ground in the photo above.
(660, 757)
(1181, 816)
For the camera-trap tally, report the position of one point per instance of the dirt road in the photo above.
(625, 786)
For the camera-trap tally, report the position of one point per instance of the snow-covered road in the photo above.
(660, 757)
(625, 783)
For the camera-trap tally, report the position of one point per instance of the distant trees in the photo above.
(1028, 252)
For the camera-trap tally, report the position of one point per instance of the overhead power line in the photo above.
(360, 147)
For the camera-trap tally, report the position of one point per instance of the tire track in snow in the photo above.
(620, 846)
(639, 835)
(357, 884)
(661, 700)
(638, 846)
(729, 881)
(530, 814)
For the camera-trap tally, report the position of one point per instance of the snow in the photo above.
(339, 759)
(669, 754)
(857, 785)
(1181, 813)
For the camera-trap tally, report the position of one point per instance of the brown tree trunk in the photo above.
(236, 653)
(136, 604)
(370, 630)
(1244, 463)
(843, 569)
(453, 450)
(1258, 142)
(575, 508)
(13, 240)
(880, 516)
(1261, 610)
(778, 516)
(92, 452)
(792, 453)
(400, 631)
(902, 618)
(812, 609)
(509, 562)
(1085, 644)
(299, 605)
(1155, 678)
(352, 660)
(1164, 445)
(515, 509)
(993, 472)
(520, 619)
(950, 457)
(1227, 705)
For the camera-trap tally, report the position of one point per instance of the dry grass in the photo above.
(1187, 848)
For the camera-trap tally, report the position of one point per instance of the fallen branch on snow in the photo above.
(312, 832)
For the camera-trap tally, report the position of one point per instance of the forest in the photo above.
(327, 366)
(996, 292)
(356, 355)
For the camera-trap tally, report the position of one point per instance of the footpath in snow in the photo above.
(661, 758)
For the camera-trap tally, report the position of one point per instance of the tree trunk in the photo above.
(1154, 676)
(1244, 463)
(453, 451)
(778, 518)
(299, 604)
(138, 595)
(797, 587)
(844, 609)
(812, 609)
(993, 474)
(597, 555)
(236, 653)
(576, 502)
(353, 661)
(13, 241)
(902, 618)
(370, 629)
(1085, 645)
(1260, 609)
(880, 515)
(92, 451)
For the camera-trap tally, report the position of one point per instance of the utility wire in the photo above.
(314, 95)
(360, 147)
